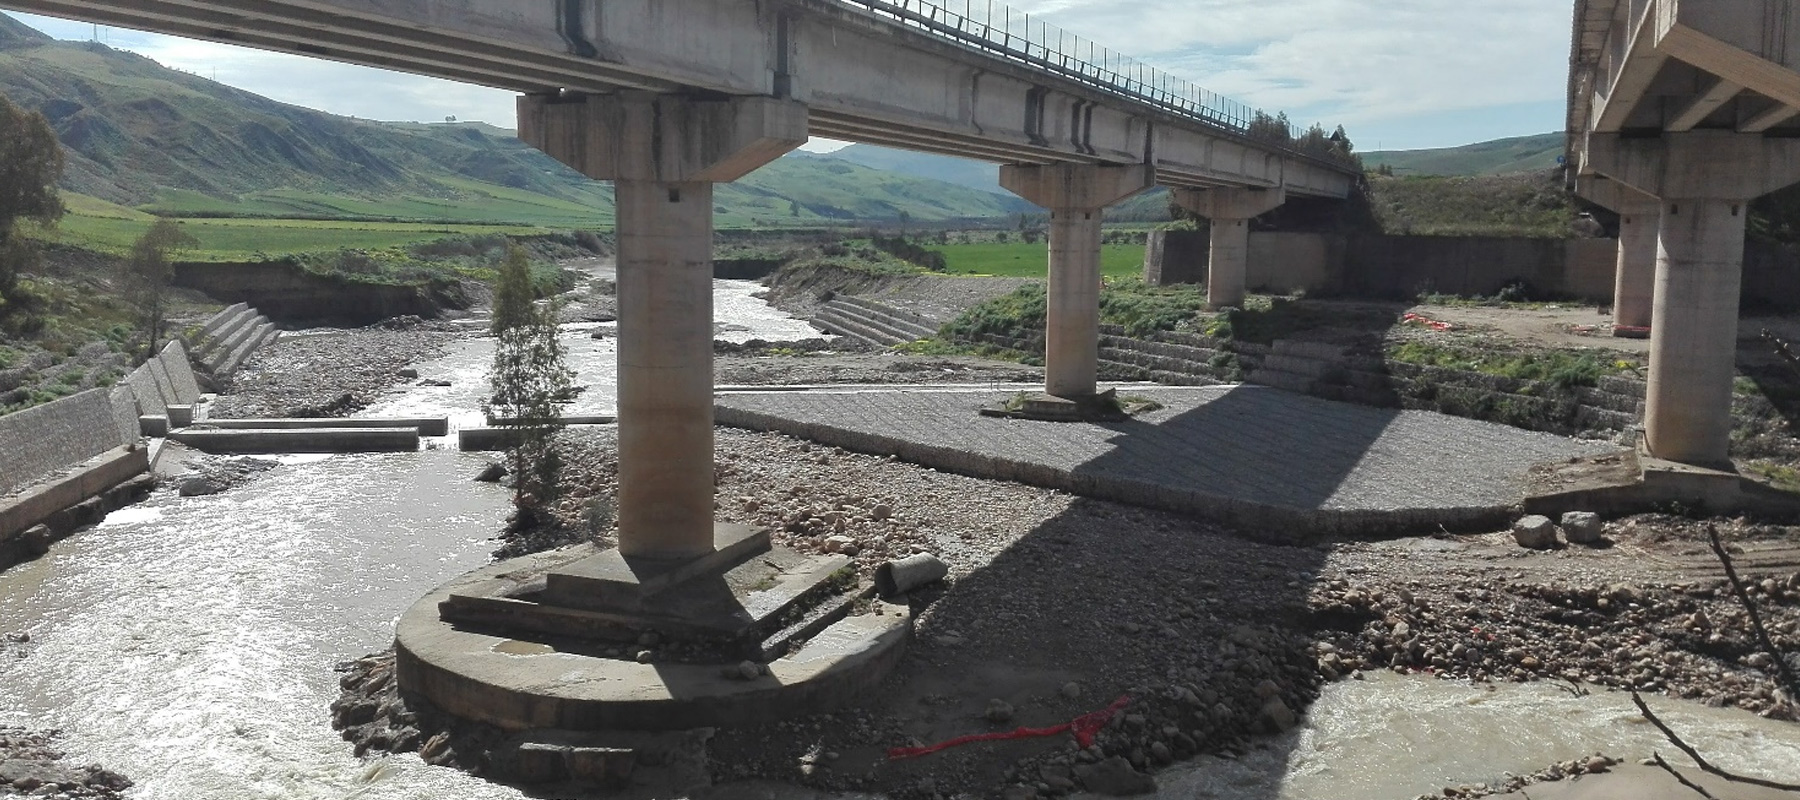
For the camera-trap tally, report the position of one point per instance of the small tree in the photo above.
(529, 382)
(31, 162)
(148, 271)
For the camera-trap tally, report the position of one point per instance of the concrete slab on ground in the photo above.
(1287, 466)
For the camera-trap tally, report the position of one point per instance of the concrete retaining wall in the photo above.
(1398, 266)
(227, 340)
(43, 439)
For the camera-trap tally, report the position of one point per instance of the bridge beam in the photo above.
(1634, 280)
(664, 153)
(1705, 180)
(1077, 196)
(1230, 212)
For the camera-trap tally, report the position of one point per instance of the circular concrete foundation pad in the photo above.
(520, 685)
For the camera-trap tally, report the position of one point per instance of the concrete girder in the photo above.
(664, 153)
(834, 58)
(1634, 279)
(1697, 110)
(1230, 211)
(1779, 113)
(1077, 195)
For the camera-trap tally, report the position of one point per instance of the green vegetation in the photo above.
(1533, 204)
(1131, 304)
(223, 239)
(146, 274)
(31, 161)
(529, 382)
(1562, 369)
(1780, 476)
(1022, 260)
(445, 258)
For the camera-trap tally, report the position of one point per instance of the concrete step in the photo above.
(900, 318)
(247, 344)
(1303, 349)
(834, 321)
(887, 332)
(1297, 364)
(873, 316)
(228, 339)
(223, 336)
(219, 320)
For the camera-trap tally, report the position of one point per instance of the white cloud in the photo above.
(1348, 61)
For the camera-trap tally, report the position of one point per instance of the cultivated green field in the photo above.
(1022, 260)
(104, 227)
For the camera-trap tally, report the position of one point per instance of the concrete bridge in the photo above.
(1680, 113)
(668, 97)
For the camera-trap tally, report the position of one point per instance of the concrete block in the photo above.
(165, 388)
(156, 425)
(123, 399)
(1582, 527)
(1535, 531)
(144, 390)
(180, 416)
(174, 358)
(318, 440)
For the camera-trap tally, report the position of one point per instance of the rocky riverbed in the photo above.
(30, 765)
(330, 372)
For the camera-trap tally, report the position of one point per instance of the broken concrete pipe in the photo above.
(896, 578)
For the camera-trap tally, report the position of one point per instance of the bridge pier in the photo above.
(1229, 211)
(1634, 280)
(1706, 180)
(1077, 196)
(664, 153)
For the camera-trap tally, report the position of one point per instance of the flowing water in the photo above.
(190, 642)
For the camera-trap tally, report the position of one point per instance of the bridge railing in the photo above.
(1000, 30)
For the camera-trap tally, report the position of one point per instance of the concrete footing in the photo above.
(527, 680)
(1636, 483)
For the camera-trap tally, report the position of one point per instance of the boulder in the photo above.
(1535, 531)
(1582, 527)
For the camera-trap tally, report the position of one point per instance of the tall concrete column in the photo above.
(664, 153)
(1705, 180)
(1634, 279)
(665, 367)
(1077, 195)
(1693, 346)
(1230, 212)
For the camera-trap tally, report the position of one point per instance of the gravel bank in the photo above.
(329, 372)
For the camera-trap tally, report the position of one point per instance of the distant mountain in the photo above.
(1498, 157)
(960, 171)
(142, 135)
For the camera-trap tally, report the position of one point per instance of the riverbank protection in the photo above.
(61, 462)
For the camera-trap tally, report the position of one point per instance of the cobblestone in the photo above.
(1290, 466)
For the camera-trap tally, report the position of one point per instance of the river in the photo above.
(190, 643)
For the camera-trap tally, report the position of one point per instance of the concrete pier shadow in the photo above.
(1101, 601)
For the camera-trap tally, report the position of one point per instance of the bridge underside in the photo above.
(668, 97)
(1680, 113)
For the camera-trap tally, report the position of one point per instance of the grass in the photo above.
(96, 227)
(1779, 476)
(1138, 308)
(1032, 260)
(1560, 368)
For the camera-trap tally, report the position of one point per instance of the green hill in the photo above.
(1498, 157)
(154, 139)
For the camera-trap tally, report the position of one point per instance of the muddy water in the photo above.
(1397, 736)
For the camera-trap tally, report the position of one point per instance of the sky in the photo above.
(1397, 74)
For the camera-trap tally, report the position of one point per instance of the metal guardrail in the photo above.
(998, 29)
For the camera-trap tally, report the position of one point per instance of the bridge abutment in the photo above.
(1230, 212)
(1705, 181)
(1077, 196)
(664, 153)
